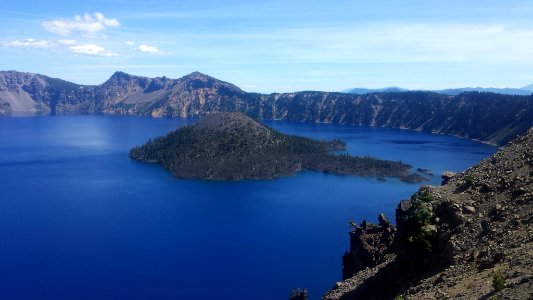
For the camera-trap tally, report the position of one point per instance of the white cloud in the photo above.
(91, 50)
(67, 42)
(149, 49)
(88, 25)
(29, 43)
(130, 43)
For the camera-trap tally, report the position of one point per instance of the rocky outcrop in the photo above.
(5, 108)
(369, 246)
(492, 118)
(454, 241)
(446, 176)
(299, 295)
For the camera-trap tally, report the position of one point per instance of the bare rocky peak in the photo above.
(33, 83)
(23, 91)
(122, 85)
(13, 78)
(193, 81)
(197, 80)
(122, 79)
(229, 121)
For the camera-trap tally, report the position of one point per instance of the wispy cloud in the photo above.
(29, 43)
(67, 42)
(149, 49)
(91, 50)
(375, 43)
(431, 42)
(88, 25)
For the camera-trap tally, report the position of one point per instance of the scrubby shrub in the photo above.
(423, 241)
(420, 214)
(417, 239)
(469, 181)
(498, 281)
(425, 196)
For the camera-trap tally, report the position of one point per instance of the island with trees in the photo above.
(233, 146)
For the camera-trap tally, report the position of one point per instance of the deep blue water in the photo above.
(80, 220)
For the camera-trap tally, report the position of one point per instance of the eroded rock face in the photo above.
(5, 108)
(451, 240)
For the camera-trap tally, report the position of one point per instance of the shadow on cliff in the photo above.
(390, 281)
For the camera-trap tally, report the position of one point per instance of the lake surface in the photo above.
(80, 220)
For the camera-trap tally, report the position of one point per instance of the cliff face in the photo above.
(457, 240)
(488, 117)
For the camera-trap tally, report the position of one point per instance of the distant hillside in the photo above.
(524, 91)
(231, 145)
(488, 117)
(468, 239)
(362, 91)
(528, 88)
(506, 91)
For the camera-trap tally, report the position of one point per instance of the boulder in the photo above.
(446, 176)
(467, 209)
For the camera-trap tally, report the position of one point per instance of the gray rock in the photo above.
(383, 221)
(467, 209)
(429, 228)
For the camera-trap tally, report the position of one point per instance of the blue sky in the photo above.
(275, 46)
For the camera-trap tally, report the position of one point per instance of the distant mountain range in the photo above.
(362, 91)
(524, 91)
(488, 117)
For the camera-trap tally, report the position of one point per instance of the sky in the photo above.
(275, 46)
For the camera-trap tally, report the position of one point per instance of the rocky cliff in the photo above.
(492, 118)
(471, 238)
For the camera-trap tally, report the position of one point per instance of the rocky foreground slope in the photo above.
(471, 238)
(488, 117)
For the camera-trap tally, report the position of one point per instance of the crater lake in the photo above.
(80, 220)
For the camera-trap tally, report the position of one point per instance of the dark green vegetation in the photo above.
(416, 226)
(230, 146)
(498, 281)
(489, 117)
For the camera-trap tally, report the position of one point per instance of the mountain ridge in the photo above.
(487, 117)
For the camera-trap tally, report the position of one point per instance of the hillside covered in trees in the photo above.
(232, 146)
